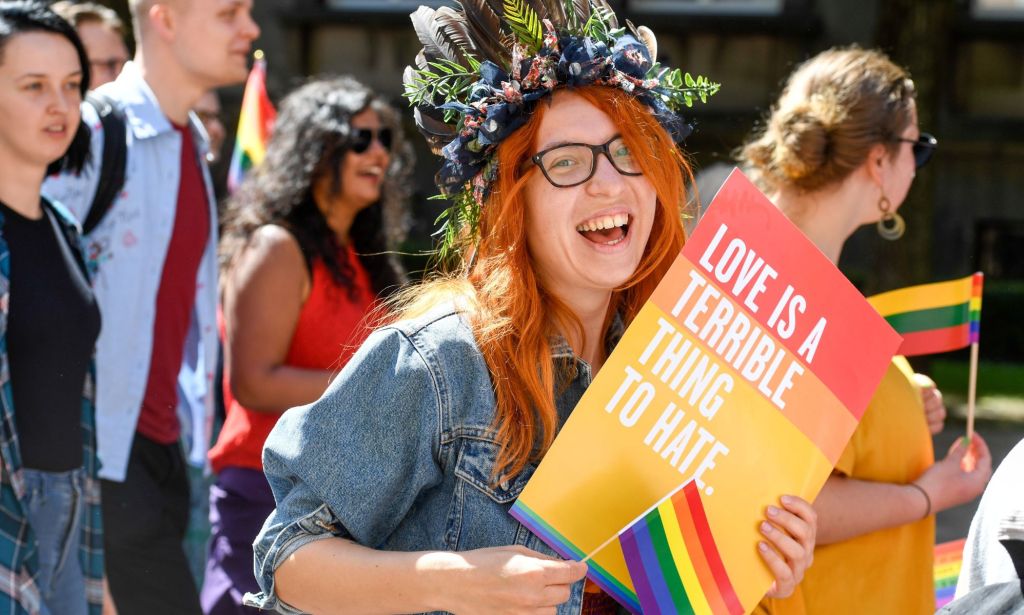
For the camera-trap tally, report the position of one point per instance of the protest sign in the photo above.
(746, 372)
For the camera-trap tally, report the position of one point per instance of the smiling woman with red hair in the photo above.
(393, 489)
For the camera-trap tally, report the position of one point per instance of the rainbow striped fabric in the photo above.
(936, 317)
(673, 561)
(949, 558)
(254, 124)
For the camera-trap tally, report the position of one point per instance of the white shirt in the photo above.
(126, 252)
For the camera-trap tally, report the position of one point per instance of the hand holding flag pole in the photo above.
(938, 317)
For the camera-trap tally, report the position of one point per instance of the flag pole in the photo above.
(971, 385)
(633, 522)
(977, 282)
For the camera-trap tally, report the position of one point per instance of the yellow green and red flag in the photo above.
(934, 318)
(254, 124)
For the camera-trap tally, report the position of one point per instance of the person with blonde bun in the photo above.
(839, 151)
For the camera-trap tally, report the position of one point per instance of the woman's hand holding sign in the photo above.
(790, 532)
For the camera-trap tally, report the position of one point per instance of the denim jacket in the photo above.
(398, 455)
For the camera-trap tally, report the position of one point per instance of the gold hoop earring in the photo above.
(891, 225)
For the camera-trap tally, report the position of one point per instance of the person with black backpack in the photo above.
(153, 250)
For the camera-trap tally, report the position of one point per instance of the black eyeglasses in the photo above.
(572, 164)
(923, 148)
(363, 137)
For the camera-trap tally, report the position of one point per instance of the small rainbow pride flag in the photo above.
(254, 124)
(949, 558)
(673, 562)
(936, 317)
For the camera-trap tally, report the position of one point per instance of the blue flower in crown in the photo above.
(631, 57)
(583, 61)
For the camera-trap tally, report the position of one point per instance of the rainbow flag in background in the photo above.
(933, 318)
(254, 124)
(673, 561)
(949, 557)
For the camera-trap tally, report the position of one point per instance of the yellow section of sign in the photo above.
(633, 438)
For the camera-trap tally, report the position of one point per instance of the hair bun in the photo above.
(804, 137)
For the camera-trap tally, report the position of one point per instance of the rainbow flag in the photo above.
(949, 557)
(933, 318)
(673, 561)
(254, 124)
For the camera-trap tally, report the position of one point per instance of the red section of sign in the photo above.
(856, 345)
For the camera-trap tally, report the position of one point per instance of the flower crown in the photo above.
(485, 65)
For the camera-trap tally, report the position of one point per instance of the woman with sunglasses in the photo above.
(839, 151)
(304, 258)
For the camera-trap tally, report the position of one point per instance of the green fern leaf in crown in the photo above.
(525, 24)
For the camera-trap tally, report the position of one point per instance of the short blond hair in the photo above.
(79, 13)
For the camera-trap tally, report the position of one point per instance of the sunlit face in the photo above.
(904, 167)
(213, 39)
(106, 50)
(590, 238)
(362, 174)
(40, 77)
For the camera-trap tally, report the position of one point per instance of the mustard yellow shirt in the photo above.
(887, 571)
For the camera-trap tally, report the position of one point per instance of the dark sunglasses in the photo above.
(363, 137)
(923, 148)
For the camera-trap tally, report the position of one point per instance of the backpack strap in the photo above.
(68, 228)
(115, 158)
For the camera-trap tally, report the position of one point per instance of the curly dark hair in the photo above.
(310, 138)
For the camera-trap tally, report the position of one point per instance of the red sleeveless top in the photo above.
(331, 327)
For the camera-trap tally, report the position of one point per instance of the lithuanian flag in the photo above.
(936, 317)
(254, 124)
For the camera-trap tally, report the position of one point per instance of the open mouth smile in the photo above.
(607, 230)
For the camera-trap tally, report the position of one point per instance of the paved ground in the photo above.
(1002, 428)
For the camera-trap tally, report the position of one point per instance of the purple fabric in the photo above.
(240, 501)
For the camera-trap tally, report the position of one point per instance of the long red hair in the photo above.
(512, 315)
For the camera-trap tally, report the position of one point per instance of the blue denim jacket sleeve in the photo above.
(352, 463)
